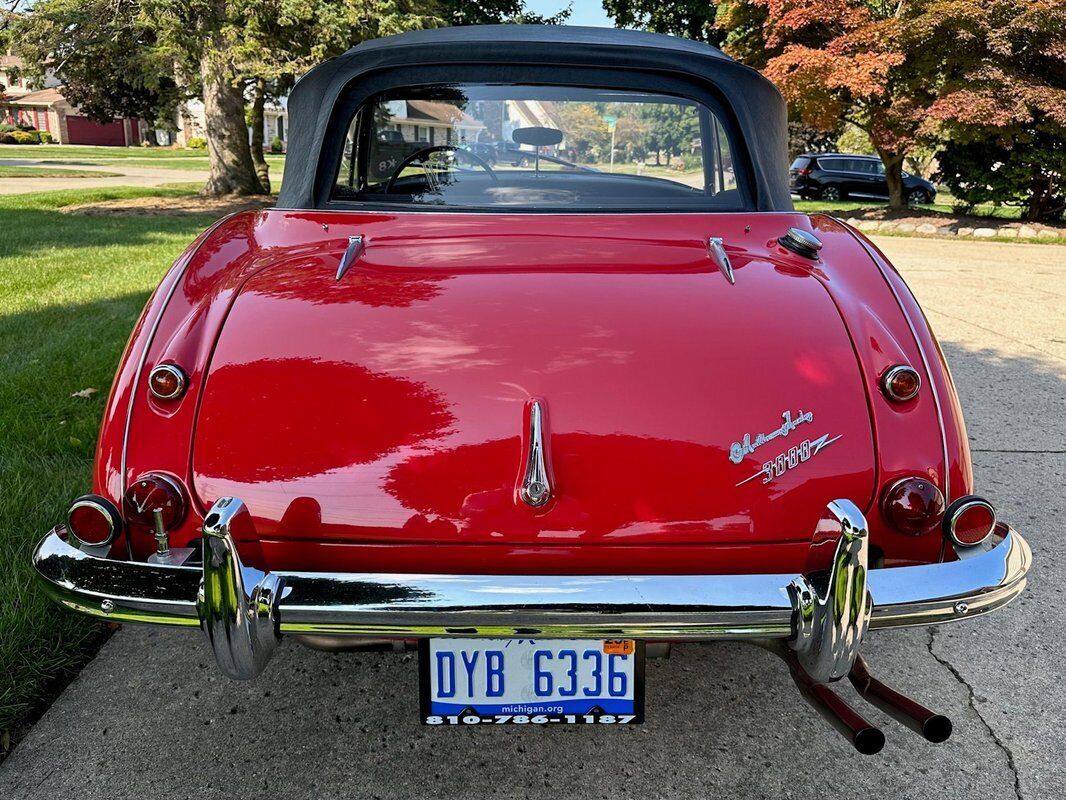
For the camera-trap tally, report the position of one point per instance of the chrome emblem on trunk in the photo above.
(792, 458)
(747, 445)
(536, 489)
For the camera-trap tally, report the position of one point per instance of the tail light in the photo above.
(803, 172)
(155, 501)
(93, 520)
(913, 505)
(969, 521)
(167, 382)
(901, 383)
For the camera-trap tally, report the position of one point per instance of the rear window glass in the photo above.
(538, 147)
(801, 163)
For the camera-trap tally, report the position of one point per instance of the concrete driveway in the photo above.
(151, 717)
(127, 176)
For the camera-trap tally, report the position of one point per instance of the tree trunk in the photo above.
(232, 170)
(1039, 192)
(894, 176)
(262, 169)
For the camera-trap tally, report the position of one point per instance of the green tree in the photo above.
(109, 61)
(488, 12)
(1000, 115)
(908, 71)
(587, 133)
(693, 19)
(123, 57)
(672, 128)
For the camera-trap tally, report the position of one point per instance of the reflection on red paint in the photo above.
(355, 417)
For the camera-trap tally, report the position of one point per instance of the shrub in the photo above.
(197, 143)
(1028, 171)
(26, 137)
(45, 136)
(276, 146)
(6, 127)
(7, 137)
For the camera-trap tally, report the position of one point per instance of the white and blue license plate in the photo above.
(532, 681)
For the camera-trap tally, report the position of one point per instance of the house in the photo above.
(190, 123)
(432, 122)
(45, 109)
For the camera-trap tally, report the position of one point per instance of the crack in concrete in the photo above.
(1011, 764)
(1026, 452)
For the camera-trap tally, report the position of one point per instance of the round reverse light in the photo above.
(969, 521)
(901, 383)
(93, 520)
(167, 382)
(913, 505)
(154, 493)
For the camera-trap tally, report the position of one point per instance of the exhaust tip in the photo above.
(870, 741)
(937, 729)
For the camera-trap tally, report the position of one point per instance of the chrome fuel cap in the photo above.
(801, 243)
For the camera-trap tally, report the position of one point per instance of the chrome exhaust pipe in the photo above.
(866, 738)
(934, 727)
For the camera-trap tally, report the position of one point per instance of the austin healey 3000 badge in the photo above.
(748, 445)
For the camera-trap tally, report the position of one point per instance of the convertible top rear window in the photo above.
(525, 147)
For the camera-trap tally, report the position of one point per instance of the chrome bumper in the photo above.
(243, 611)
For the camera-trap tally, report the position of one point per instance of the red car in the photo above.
(541, 420)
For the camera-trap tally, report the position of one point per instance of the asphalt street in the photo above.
(152, 718)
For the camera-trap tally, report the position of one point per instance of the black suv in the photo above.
(834, 176)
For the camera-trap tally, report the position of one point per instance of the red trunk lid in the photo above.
(389, 406)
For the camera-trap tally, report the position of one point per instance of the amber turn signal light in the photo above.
(969, 521)
(93, 520)
(913, 505)
(167, 382)
(901, 383)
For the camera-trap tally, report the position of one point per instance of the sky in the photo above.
(584, 12)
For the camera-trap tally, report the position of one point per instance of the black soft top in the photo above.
(316, 129)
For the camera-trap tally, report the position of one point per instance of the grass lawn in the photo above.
(53, 172)
(157, 157)
(944, 203)
(71, 288)
(89, 153)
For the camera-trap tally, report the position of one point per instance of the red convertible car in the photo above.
(538, 417)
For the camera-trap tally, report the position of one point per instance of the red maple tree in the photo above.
(909, 70)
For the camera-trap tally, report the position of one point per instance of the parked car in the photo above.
(485, 150)
(836, 176)
(537, 423)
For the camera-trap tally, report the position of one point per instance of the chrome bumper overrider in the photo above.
(243, 611)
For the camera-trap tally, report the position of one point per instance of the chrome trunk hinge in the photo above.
(356, 245)
(536, 489)
(716, 250)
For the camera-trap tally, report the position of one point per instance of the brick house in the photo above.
(47, 110)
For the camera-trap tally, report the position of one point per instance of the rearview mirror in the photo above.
(538, 137)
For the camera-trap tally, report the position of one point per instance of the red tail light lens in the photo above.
(803, 171)
(969, 521)
(151, 494)
(901, 383)
(913, 505)
(167, 382)
(93, 520)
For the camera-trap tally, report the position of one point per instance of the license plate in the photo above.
(531, 681)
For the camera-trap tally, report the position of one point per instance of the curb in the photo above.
(952, 229)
